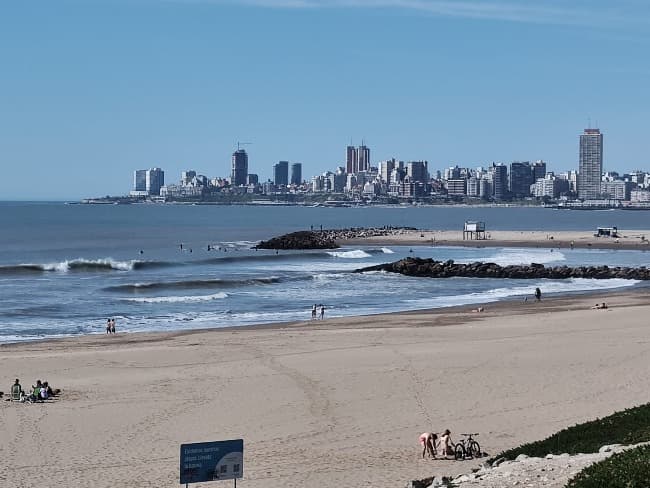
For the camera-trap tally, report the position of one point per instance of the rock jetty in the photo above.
(300, 240)
(447, 269)
(327, 239)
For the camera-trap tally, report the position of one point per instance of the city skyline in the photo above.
(391, 180)
(84, 106)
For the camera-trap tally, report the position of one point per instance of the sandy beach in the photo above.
(629, 239)
(334, 403)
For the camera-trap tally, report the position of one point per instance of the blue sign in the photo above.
(212, 461)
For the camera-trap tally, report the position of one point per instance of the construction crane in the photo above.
(243, 144)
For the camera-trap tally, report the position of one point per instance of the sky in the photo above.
(91, 90)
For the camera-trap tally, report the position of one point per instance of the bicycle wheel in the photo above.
(475, 449)
(459, 452)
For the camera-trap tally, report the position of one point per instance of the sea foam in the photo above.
(356, 254)
(178, 299)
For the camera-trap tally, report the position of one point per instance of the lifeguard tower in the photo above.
(474, 230)
(606, 232)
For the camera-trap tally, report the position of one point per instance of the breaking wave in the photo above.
(186, 299)
(356, 254)
(191, 284)
(80, 265)
(516, 256)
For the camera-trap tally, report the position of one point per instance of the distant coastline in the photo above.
(320, 201)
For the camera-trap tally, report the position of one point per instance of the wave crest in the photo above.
(356, 254)
(179, 299)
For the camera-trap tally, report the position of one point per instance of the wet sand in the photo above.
(334, 403)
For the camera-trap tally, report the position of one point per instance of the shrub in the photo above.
(630, 426)
(628, 469)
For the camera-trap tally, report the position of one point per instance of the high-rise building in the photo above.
(363, 157)
(281, 173)
(239, 167)
(417, 171)
(590, 167)
(499, 181)
(385, 169)
(140, 180)
(539, 170)
(521, 177)
(357, 159)
(148, 181)
(296, 174)
(351, 160)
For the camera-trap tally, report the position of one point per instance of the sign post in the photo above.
(212, 461)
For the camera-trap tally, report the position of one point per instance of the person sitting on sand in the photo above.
(479, 309)
(446, 445)
(35, 396)
(49, 390)
(16, 390)
(599, 306)
(428, 442)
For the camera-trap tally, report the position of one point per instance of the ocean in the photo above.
(64, 269)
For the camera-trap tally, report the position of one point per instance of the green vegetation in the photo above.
(630, 426)
(629, 469)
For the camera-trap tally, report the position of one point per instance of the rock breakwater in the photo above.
(300, 240)
(327, 239)
(448, 269)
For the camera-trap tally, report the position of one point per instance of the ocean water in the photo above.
(64, 269)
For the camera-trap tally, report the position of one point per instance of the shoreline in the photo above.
(636, 240)
(442, 317)
(334, 403)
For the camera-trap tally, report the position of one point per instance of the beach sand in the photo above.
(629, 239)
(322, 404)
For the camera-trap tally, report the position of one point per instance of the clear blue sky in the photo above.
(92, 89)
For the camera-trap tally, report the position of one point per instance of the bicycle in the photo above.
(467, 448)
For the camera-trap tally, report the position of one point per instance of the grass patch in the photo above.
(630, 426)
(628, 469)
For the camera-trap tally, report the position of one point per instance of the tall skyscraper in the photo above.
(590, 168)
(239, 167)
(296, 174)
(350, 159)
(281, 173)
(357, 159)
(363, 158)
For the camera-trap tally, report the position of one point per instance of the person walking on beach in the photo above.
(428, 442)
(538, 294)
(322, 312)
(313, 312)
(112, 326)
(108, 326)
